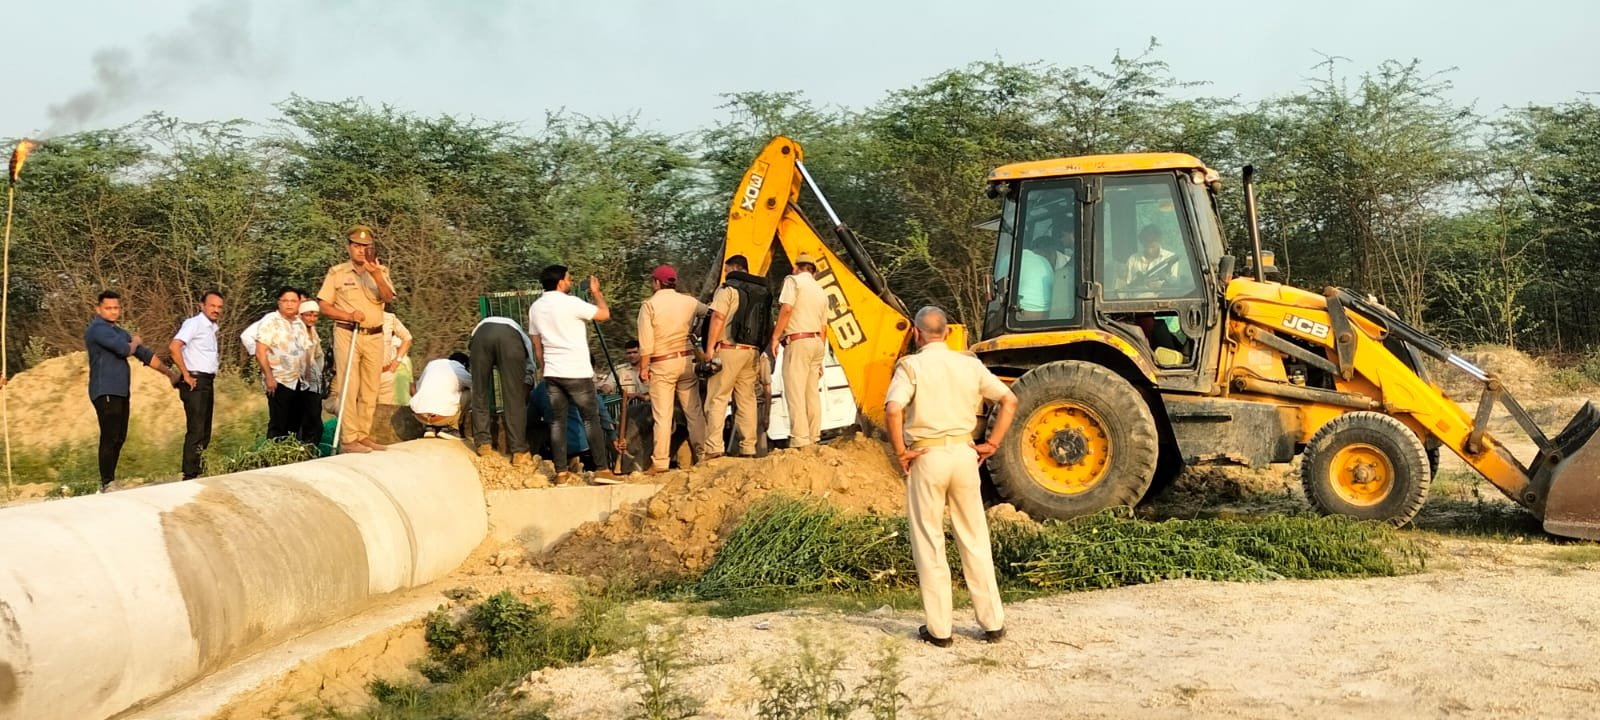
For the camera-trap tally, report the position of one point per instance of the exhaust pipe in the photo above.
(1250, 218)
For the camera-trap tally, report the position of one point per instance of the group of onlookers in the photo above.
(931, 409)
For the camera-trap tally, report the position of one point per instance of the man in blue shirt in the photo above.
(109, 381)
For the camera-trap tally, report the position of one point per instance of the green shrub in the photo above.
(266, 453)
(784, 545)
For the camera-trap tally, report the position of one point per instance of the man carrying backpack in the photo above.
(740, 313)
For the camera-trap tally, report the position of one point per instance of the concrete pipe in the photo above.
(110, 601)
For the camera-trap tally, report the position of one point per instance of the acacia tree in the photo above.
(1354, 175)
(1562, 143)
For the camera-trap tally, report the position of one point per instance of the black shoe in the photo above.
(925, 636)
(994, 636)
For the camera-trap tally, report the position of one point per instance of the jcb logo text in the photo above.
(1305, 326)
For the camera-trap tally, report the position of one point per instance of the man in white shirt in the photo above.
(1153, 269)
(311, 423)
(557, 323)
(194, 353)
(283, 350)
(499, 343)
(441, 390)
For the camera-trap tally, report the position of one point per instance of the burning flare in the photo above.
(20, 156)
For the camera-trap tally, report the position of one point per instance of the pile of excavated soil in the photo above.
(677, 532)
(1526, 378)
(49, 404)
(497, 473)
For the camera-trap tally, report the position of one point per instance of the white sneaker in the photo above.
(429, 434)
(447, 434)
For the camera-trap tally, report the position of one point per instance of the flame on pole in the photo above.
(19, 155)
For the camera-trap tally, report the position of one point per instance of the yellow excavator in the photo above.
(1117, 319)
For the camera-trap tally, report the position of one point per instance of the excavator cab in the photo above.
(1126, 246)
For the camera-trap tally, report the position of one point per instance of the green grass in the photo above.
(75, 467)
(1576, 555)
(787, 549)
(476, 658)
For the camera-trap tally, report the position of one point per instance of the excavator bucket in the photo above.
(1572, 497)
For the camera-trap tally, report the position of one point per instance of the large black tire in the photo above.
(1368, 466)
(1084, 440)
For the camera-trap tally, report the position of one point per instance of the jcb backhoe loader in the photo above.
(1116, 317)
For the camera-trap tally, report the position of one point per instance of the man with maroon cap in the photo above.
(666, 363)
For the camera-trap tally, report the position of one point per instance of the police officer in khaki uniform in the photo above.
(933, 405)
(353, 295)
(739, 312)
(666, 363)
(802, 322)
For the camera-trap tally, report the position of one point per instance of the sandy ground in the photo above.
(1497, 631)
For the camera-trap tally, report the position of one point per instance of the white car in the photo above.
(838, 403)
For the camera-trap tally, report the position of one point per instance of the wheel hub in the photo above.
(1068, 447)
(1362, 474)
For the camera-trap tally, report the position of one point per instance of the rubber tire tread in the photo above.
(1133, 436)
(1413, 471)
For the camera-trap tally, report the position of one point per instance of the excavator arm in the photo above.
(868, 326)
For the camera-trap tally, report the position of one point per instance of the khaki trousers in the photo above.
(949, 474)
(365, 372)
(737, 381)
(802, 369)
(669, 380)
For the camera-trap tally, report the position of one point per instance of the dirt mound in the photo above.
(677, 532)
(497, 473)
(1527, 378)
(49, 404)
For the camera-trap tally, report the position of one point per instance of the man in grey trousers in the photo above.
(501, 343)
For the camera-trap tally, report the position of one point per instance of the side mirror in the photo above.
(1225, 269)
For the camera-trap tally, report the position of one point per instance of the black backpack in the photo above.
(751, 324)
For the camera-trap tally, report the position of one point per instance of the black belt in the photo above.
(202, 374)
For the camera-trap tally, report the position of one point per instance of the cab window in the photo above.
(1046, 258)
(1143, 252)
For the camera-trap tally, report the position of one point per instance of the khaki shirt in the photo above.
(943, 391)
(346, 289)
(664, 321)
(726, 303)
(810, 313)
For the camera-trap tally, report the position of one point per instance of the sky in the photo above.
(81, 64)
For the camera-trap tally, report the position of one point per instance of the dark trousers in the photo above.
(499, 346)
(311, 418)
(112, 410)
(286, 414)
(578, 392)
(197, 404)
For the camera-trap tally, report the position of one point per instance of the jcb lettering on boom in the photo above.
(1303, 325)
(752, 189)
(846, 330)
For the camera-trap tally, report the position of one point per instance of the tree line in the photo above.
(1481, 226)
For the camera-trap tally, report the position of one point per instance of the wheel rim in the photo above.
(1362, 474)
(1066, 447)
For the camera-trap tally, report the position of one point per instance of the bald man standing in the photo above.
(932, 410)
